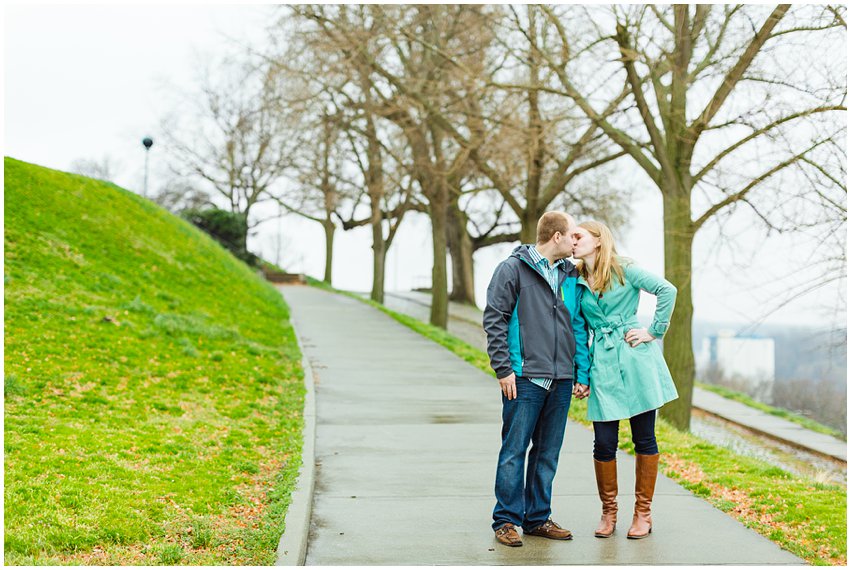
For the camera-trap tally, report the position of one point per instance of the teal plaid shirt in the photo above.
(551, 274)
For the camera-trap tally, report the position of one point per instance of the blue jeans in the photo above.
(643, 436)
(538, 416)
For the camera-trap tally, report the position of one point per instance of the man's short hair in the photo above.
(550, 223)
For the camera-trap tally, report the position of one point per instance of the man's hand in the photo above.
(581, 391)
(636, 336)
(508, 386)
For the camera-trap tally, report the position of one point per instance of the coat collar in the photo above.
(581, 280)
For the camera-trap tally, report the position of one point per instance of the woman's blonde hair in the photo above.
(607, 263)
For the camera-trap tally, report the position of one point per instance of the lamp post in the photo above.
(148, 142)
(280, 231)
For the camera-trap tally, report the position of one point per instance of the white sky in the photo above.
(90, 81)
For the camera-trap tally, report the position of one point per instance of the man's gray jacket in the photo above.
(532, 331)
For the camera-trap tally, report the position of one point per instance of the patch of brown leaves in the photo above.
(136, 555)
(250, 513)
(744, 510)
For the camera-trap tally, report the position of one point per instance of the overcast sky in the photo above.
(88, 82)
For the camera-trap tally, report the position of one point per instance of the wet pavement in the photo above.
(407, 437)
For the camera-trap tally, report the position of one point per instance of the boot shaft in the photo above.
(646, 469)
(607, 483)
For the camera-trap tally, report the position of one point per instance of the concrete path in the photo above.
(772, 426)
(466, 324)
(407, 436)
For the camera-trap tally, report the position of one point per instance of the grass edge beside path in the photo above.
(802, 516)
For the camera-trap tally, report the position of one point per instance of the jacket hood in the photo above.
(522, 252)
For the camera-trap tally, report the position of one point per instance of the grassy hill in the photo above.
(153, 387)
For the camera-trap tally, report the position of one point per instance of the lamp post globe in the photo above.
(148, 142)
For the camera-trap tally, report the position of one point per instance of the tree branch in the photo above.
(733, 198)
(488, 240)
(733, 76)
(711, 164)
(621, 139)
(628, 57)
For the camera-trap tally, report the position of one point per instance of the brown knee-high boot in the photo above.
(607, 488)
(646, 467)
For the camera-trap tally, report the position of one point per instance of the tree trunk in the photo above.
(379, 255)
(679, 354)
(529, 226)
(461, 250)
(330, 228)
(243, 238)
(439, 298)
(535, 145)
(375, 189)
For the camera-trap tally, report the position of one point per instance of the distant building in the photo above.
(747, 361)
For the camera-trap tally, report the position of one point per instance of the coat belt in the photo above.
(606, 329)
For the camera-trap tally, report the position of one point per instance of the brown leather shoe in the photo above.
(551, 529)
(646, 467)
(507, 535)
(607, 488)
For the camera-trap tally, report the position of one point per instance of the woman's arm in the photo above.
(665, 292)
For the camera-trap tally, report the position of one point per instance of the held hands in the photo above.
(637, 336)
(508, 386)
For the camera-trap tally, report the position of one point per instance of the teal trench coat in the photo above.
(627, 381)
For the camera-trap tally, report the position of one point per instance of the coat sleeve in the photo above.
(501, 300)
(665, 292)
(582, 358)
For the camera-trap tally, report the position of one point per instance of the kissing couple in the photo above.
(541, 310)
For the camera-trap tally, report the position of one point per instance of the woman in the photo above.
(629, 377)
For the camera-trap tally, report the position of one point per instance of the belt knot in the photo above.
(608, 328)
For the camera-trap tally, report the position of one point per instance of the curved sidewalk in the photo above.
(407, 436)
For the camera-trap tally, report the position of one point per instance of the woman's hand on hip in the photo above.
(637, 336)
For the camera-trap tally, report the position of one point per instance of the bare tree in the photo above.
(319, 181)
(401, 50)
(236, 139)
(104, 169)
(527, 143)
(726, 102)
(177, 195)
(437, 47)
(387, 210)
(559, 145)
(330, 48)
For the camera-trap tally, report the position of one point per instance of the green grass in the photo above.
(153, 388)
(780, 413)
(804, 517)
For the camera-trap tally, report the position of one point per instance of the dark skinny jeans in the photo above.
(643, 436)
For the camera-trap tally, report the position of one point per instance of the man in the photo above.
(538, 346)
